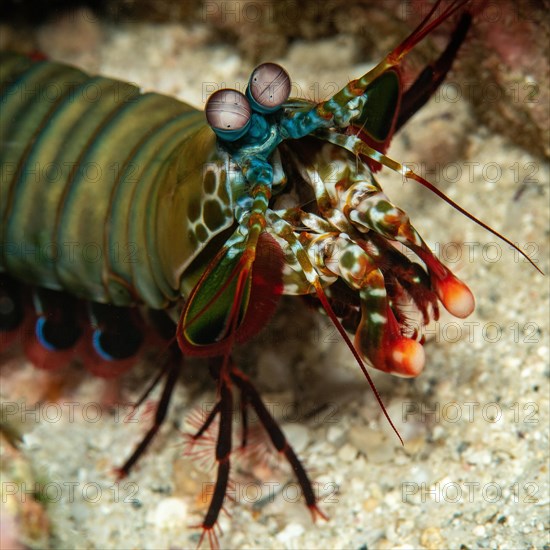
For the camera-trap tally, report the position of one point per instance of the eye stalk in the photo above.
(228, 114)
(268, 88)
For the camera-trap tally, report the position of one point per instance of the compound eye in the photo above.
(228, 114)
(268, 88)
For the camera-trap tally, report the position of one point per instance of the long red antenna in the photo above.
(330, 312)
(425, 27)
(410, 174)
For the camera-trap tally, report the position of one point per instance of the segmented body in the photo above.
(105, 191)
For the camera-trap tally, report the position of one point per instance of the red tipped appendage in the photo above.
(388, 350)
(454, 295)
(405, 357)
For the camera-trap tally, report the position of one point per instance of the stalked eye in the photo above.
(268, 88)
(228, 113)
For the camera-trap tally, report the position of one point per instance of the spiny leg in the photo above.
(278, 438)
(172, 373)
(224, 407)
(244, 419)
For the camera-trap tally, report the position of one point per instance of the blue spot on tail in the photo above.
(41, 337)
(99, 347)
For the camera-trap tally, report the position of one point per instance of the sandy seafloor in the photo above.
(474, 469)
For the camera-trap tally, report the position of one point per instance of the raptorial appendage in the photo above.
(352, 236)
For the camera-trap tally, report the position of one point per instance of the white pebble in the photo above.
(479, 531)
(169, 512)
(291, 531)
(347, 453)
(334, 434)
(297, 436)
